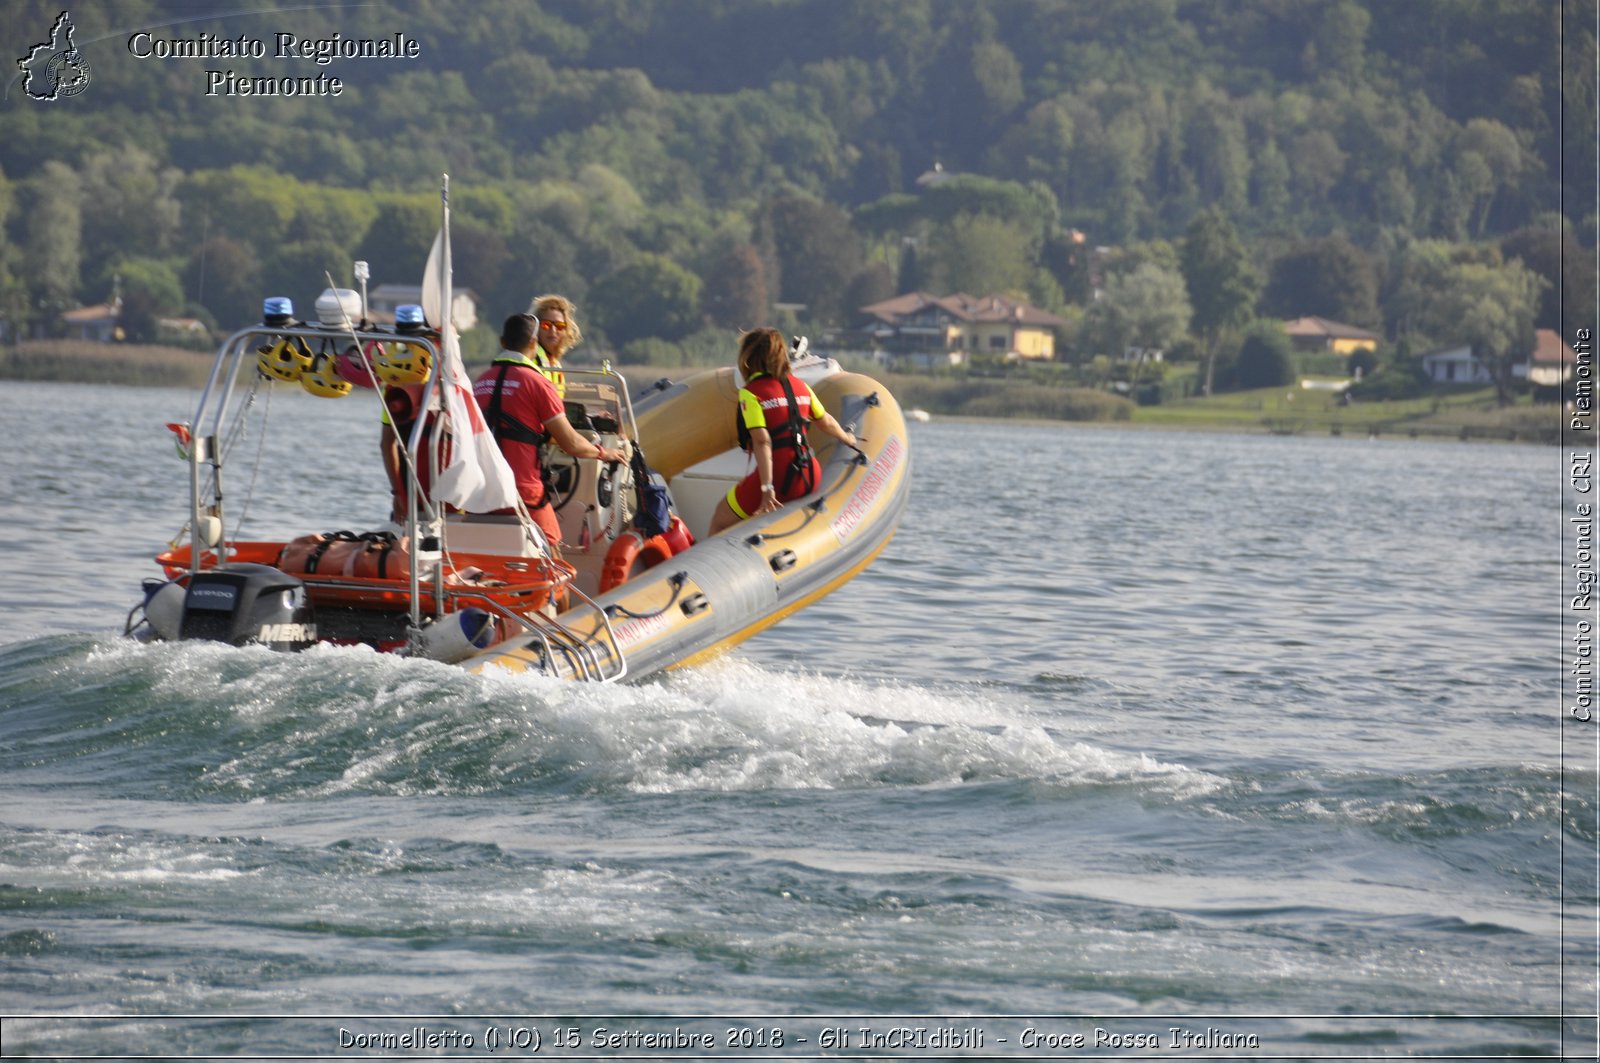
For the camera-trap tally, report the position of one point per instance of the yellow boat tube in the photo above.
(726, 588)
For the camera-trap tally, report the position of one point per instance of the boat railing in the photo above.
(216, 400)
(598, 658)
(619, 400)
(583, 654)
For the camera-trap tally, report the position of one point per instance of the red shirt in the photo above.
(529, 397)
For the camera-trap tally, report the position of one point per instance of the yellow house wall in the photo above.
(1028, 342)
(1351, 346)
(1036, 343)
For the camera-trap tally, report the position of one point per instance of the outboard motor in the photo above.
(243, 603)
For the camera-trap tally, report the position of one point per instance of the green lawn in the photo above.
(1464, 413)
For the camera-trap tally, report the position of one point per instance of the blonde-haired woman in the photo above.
(777, 408)
(558, 334)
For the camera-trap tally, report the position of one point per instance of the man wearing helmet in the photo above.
(403, 370)
(523, 410)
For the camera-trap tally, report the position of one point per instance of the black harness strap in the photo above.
(314, 558)
(504, 426)
(792, 434)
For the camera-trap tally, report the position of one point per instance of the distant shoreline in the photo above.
(1422, 434)
(136, 365)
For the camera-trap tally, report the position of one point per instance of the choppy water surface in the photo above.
(1125, 732)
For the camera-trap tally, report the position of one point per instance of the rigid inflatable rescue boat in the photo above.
(626, 595)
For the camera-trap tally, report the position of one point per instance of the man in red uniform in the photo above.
(523, 411)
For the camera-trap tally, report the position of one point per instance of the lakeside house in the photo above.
(102, 323)
(97, 323)
(1551, 366)
(1455, 365)
(1321, 336)
(1547, 367)
(919, 330)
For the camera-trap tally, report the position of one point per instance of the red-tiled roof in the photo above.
(1552, 349)
(898, 307)
(1321, 326)
(98, 312)
(964, 307)
(999, 308)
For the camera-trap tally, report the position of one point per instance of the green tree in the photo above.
(129, 202)
(735, 291)
(998, 77)
(979, 255)
(1328, 277)
(1067, 256)
(1122, 157)
(478, 257)
(1031, 208)
(653, 296)
(1491, 159)
(224, 276)
(1341, 40)
(396, 243)
(1396, 203)
(1453, 197)
(1318, 163)
(297, 271)
(1221, 159)
(977, 82)
(52, 241)
(1568, 298)
(340, 215)
(1038, 146)
(150, 290)
(1265, 358)
(1146, 309)
(1418, 270)
(14, 315)
(818, 252)
(1222, 282)
(253, 203)
(1269, 191)
(155, 278)
(873, 284)
(1491, 308)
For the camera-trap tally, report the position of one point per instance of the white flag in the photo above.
(475, 477)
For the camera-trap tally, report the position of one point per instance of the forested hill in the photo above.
(714, 156)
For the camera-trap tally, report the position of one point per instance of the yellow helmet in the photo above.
(400, 364)
(284, 360)
(323, 378)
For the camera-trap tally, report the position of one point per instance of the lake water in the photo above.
(1251, 745)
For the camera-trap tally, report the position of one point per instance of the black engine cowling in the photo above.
(243, 603)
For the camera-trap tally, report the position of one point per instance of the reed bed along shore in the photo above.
(1470, 414)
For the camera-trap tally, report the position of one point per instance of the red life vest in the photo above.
(786, 411)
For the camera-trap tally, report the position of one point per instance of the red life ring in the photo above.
(629, 550)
